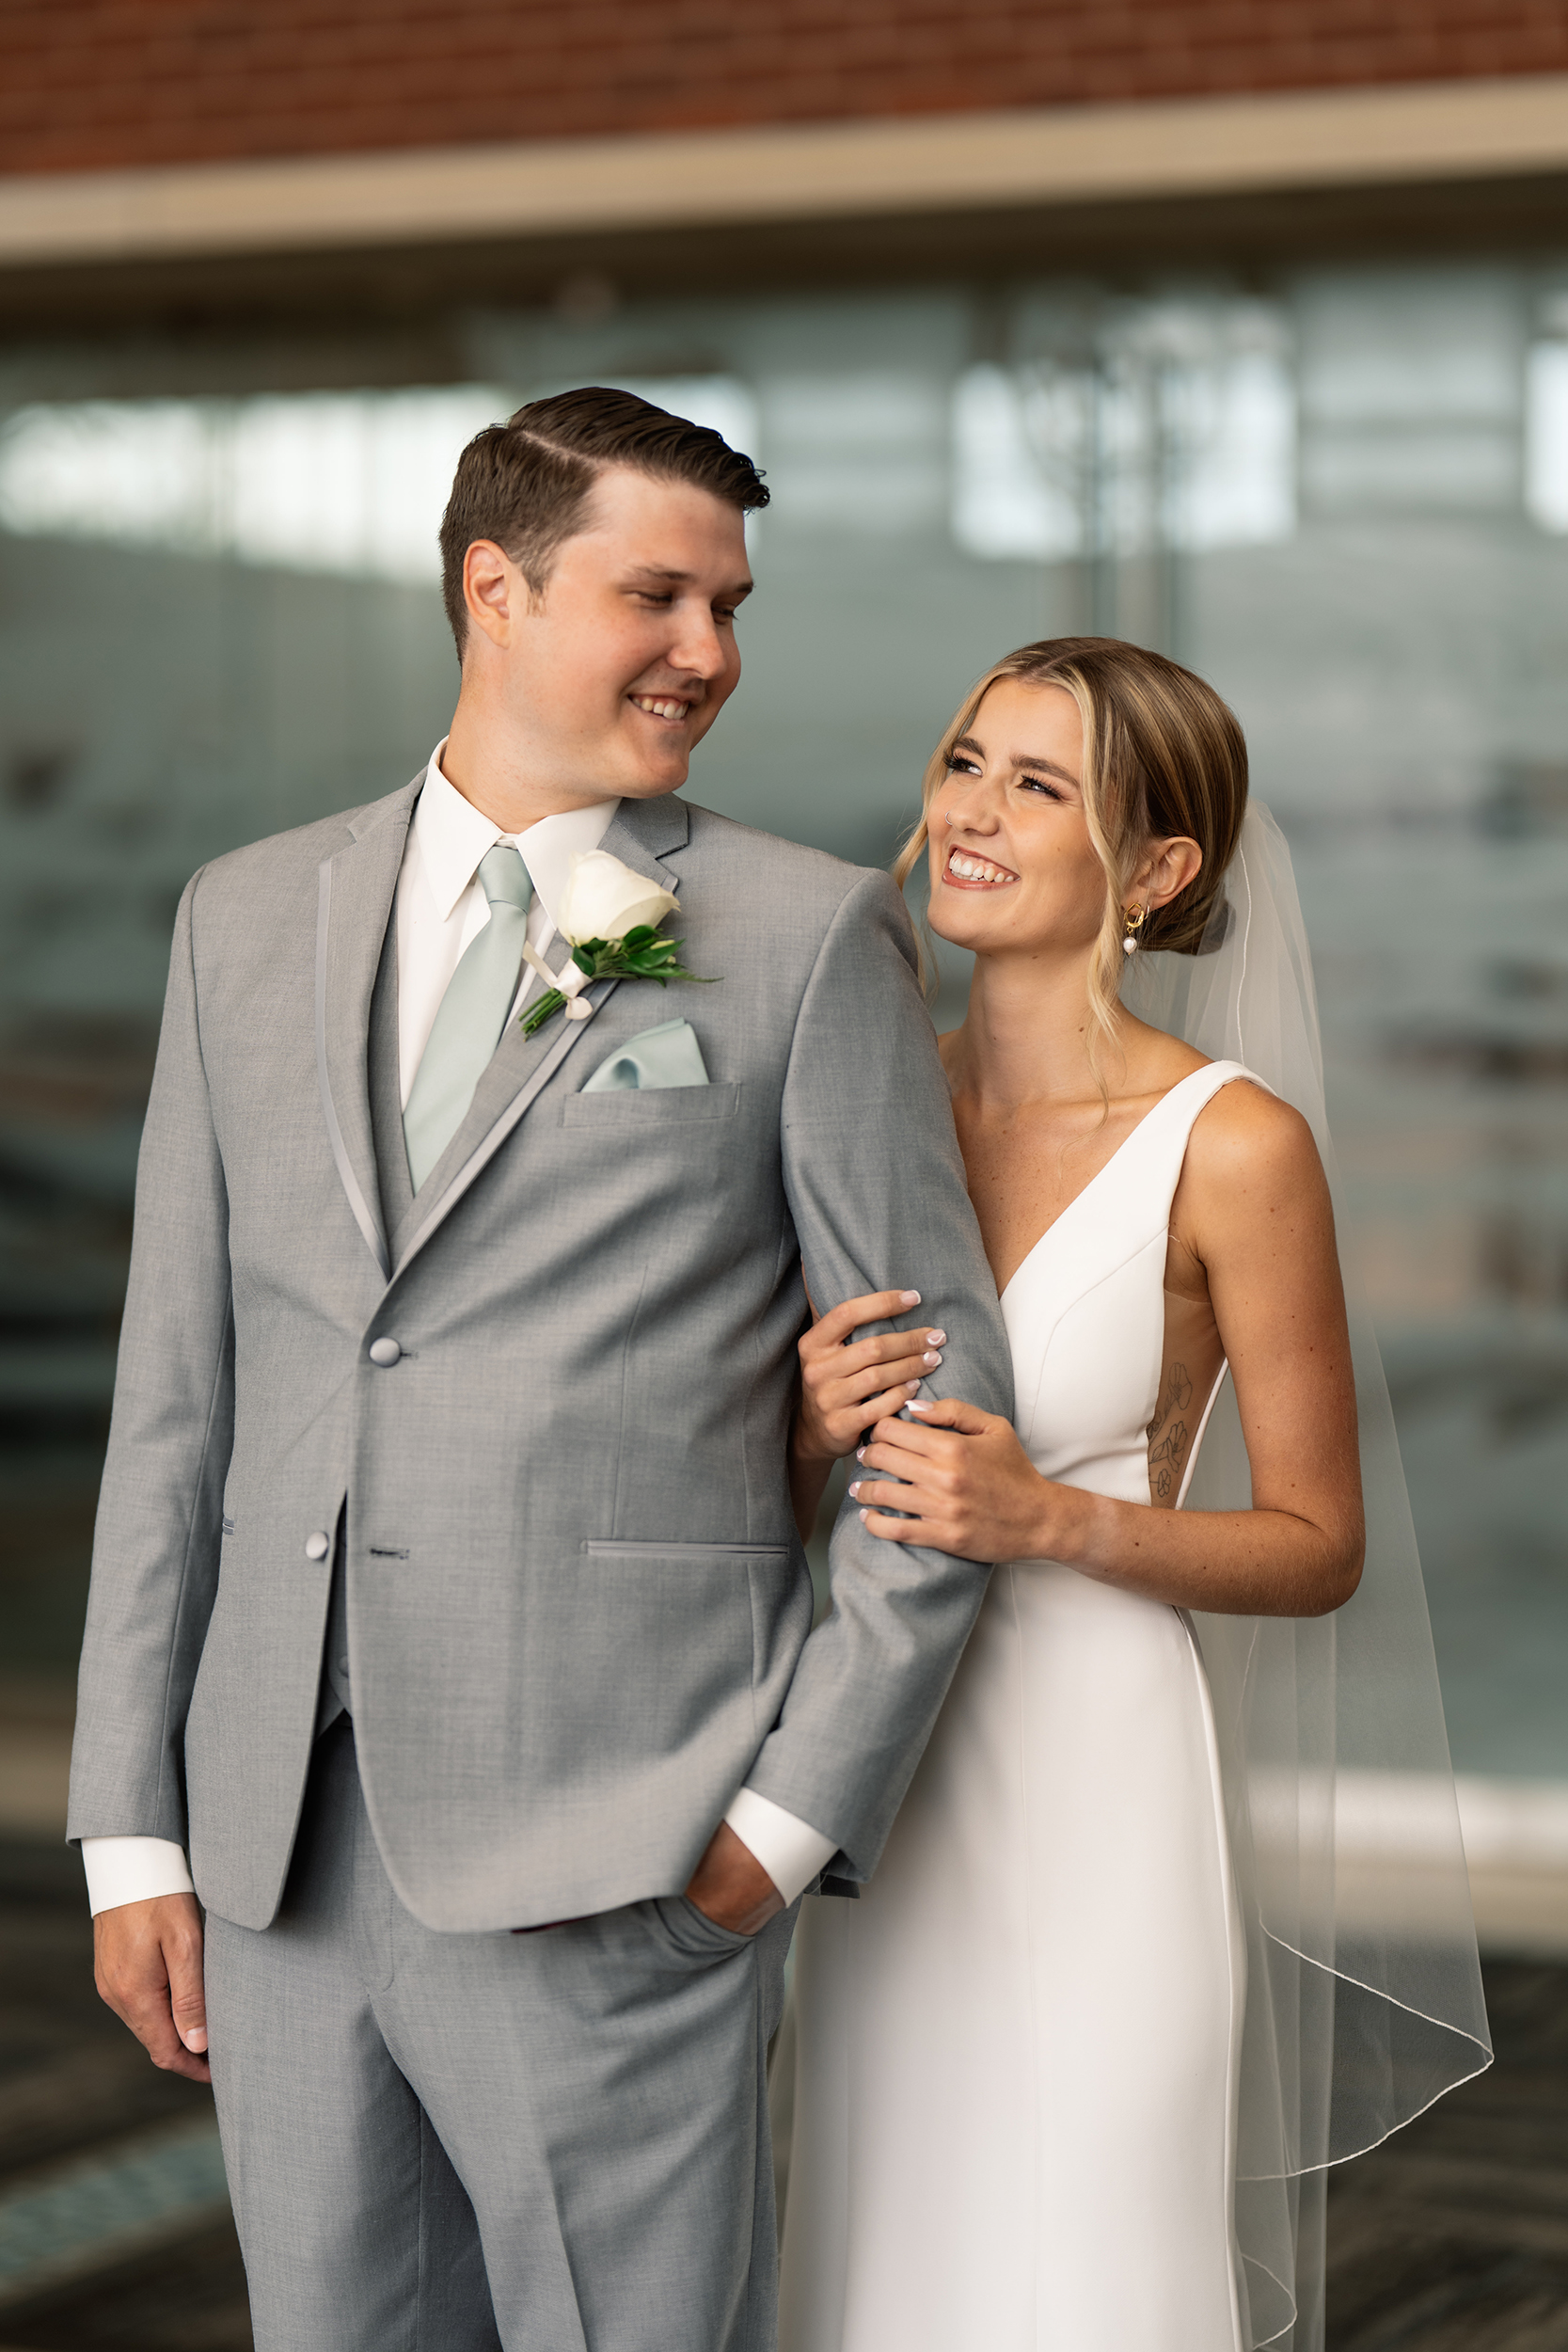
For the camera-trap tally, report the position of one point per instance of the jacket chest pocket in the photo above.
(643, 1110)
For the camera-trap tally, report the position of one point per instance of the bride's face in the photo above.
(1013, 863)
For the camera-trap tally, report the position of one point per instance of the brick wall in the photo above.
(93, 84)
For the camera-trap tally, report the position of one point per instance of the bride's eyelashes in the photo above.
(964, 764)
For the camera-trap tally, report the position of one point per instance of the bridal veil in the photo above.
(1364, 1997)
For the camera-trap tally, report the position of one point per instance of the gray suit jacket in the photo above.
(579, 1613)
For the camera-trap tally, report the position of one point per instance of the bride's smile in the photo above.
(975, 873)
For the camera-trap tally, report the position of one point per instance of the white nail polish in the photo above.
(912, 1298)
(854, 1485)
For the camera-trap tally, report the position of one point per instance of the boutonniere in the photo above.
(612, 918)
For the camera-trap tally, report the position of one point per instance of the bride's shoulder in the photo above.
(1247, 1140)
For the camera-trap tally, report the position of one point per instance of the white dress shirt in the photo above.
(441, 907)
(441, 902)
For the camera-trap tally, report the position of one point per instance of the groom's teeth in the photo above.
(660, 709)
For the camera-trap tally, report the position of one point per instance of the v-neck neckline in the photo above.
(1062, 1214)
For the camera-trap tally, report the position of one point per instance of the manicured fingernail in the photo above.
(854, 1487)
(936, 1339)
(931, 1358)
(923, 1406)
(912, 1388)
(910, 1298)
(864, 1515)
(860, 1454)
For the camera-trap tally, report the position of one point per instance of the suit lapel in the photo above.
(644, 834)
(355, 892)
(641, 834)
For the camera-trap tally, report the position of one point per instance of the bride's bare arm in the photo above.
(1252, 1209)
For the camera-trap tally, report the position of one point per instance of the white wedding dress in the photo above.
(1017, 2057)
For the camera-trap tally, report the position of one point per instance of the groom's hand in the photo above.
(731, 1887)
(147, 1966)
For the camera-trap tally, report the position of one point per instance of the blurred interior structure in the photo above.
(1240, 331)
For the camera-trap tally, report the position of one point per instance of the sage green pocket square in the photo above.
(669, 1055)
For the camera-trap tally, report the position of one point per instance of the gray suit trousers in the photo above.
(446, 2142)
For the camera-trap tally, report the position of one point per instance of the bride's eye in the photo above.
(1038, 784)
(959, 764)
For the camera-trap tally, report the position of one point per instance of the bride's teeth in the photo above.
(976, 869)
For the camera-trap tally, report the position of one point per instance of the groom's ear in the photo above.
(495, 592)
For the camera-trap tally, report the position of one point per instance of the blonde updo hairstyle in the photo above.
(1163, 756)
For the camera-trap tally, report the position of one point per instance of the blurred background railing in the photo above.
(1245, 341)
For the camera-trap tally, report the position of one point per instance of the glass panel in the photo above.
(1342, 495)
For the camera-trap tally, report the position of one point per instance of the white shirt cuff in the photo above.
(133, 1871)
(789, 1850)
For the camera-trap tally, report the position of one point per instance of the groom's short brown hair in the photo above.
(525, 483)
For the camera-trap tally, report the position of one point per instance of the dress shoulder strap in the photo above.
(1194, 1093)
(1158, 1146)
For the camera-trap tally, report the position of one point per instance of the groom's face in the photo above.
(616, 673)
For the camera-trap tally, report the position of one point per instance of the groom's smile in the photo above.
(666, 708)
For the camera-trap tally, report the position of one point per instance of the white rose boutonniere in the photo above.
(612, 917)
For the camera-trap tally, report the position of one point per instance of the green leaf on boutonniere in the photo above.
(644, 954)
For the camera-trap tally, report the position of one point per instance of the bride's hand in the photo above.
(847, 1387)
(968, 1488)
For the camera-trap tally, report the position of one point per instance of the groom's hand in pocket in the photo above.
(731, 1887)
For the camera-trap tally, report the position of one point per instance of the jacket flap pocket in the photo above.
(607, 1548)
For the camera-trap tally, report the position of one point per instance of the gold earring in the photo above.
(1132, 921)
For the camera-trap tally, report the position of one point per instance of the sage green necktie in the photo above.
(471, 1014)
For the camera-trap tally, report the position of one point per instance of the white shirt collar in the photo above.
(452, 836)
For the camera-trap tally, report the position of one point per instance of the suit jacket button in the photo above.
(317, 1546)
(384, 1353)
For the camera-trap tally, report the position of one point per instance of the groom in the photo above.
(445, 1581)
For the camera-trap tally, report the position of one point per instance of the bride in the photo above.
(1023, 2074)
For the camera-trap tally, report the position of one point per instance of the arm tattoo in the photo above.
(1167, 1437)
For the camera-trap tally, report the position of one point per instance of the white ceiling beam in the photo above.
(856, 169)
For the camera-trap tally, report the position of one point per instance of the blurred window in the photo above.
(352, 482)
(1546, 436)
(1340, 493)
(1175, 428)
